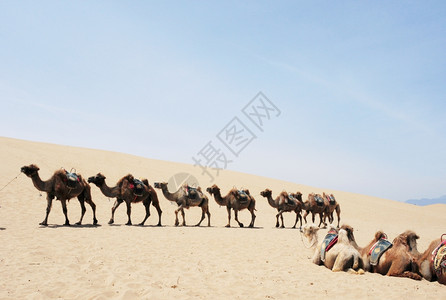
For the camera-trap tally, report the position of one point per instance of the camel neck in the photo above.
(44, 186)
(271, 201)
(168, 195)
(219, 199)
(111, 192)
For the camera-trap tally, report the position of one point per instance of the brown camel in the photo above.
(124, 191)
(331, 206)
(183, 200)
(315, 207)
(342, 256)
(236, 201)
(400, 259)
(431, 262)
(284, 204)
(63, 189)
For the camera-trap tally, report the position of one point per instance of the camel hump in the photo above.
(145, 181)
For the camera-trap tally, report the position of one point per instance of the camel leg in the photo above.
(236, 218)
(184, 216)
(338, 212)
(49, 200)
(253, 217)
(129, 212)
(397, 270)
(208, 213)
(305, 216)
(297, 219)
(147, 206)
(115, 206)
(203, 209)
(158, 209)
(93, 208)
(64, 209)
(229, 216)
(83, 209)
(281, 218)
(277, 221)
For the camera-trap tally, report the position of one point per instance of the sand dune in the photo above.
(131, 262)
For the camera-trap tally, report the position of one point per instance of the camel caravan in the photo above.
(337, 252)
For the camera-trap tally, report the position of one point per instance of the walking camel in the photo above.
(125, 191)
(284, 204)
(183, 200)
(63, 189)
(236, 200)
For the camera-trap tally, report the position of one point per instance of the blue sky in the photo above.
(360, 84)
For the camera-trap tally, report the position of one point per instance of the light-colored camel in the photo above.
(181, 198)
(284, 204)
(233, 200)
(311, 205)
(425, 263)
(331, 206)
(123, 191)
(343, 256)
(57, 187)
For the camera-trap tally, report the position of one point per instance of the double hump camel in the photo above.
(284, 204)
(183, 200)
(236, 201)
(124, 191)
(58, 187)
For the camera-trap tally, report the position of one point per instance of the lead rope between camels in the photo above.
(10, 182)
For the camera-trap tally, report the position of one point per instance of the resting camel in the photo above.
(312, 206)
(331, 206)
(284, 204)
(435, 252)
(181, 198)
(57, 187)
(123, 191)
(399, 260)
(234, 200)
(342, 256)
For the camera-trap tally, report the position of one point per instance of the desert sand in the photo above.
(132, 262)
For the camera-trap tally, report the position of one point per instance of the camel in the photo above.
(59, 187)
(183, 200)
(342, 256)
(331, 206)
(436, 252)
(234, 200)
(283, 204)
(399, 260)
(124, 191)
(311, 205)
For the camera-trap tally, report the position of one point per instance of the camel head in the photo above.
(98, 180)
(349, 231)
(30, 170)
(160, 185)
(213, 189)
(409, 239)
(266, 193)
(310, 232)
(297, 195)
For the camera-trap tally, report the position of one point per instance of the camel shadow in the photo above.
(54, 226)
(2, 228)
(247, 228)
